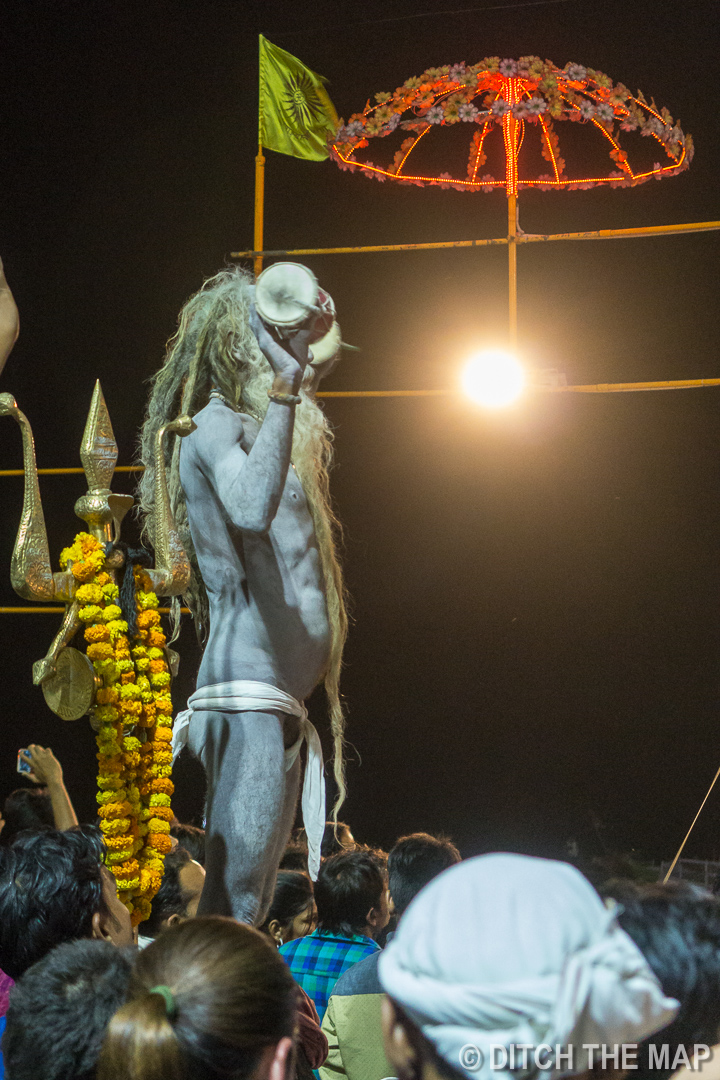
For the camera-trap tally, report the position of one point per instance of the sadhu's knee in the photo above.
(248, 907)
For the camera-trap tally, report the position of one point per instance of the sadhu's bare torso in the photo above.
(268, 613)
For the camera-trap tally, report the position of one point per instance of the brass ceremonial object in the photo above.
(66, 675)
(30, 571)
(70, 689)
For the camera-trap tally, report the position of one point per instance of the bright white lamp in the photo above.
(493, 378)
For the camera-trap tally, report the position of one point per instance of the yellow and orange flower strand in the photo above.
(134, 785)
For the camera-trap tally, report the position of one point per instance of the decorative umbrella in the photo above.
(501, 97)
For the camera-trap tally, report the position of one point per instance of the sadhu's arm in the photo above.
(9, 319)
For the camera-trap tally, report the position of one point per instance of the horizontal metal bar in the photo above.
(619, 234)
(69, 472)
(373, 247)
(385, 393)
(32, 610)
(521, 238)
(594, 388)
(617, 388)
(61, 610)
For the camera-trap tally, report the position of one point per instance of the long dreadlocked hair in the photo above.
(214, 348)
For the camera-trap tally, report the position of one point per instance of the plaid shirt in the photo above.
(318, 960)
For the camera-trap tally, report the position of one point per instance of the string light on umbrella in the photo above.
(500, 98)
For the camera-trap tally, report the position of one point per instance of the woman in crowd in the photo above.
(208, 999)
(292, 912)
(292, 915)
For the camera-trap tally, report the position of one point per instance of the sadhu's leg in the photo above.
(250, 809)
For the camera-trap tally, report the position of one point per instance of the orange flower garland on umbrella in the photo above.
(134, 786)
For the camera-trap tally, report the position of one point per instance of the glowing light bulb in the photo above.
(493, 378)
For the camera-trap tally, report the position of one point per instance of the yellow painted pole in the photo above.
(589, 388)
(372, 248)
(680, 849)
(60, 610)
(69, 472)
(629, 387)
(592, 388)
(512, 270)
(32, 610)
(619, 234)
(258, 238)
(521, 238)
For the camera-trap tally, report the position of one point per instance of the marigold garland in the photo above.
(134, 785)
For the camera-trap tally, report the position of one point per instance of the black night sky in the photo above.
(536, 592)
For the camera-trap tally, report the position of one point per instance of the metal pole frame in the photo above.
(520, 238)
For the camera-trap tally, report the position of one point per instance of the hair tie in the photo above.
(167, 995)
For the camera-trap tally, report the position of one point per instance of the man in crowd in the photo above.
(54, 887)
(505, 950)
(352, 1022)
(337, 837)
(178, 896)
(352, 908)
(192, 839)
(60, 1010)
(25, 810)
(677, 928)
(46, 804)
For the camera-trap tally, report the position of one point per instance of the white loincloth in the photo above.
(243, 695)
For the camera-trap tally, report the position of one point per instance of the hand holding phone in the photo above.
(40, 765)
(23, 766)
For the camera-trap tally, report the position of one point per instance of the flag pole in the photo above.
(258, 237)
(259, 207)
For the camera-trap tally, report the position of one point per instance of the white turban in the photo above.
(504, 950)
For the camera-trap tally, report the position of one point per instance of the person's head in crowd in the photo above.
(209, 998)
(677, 928)
(503, 950)
(292, 911)
(26, 810)
(60, 1009)
(192, 839)
(179, 894)
(413, 862)
(54, 887)
(295, 857)
(335, 838)
(351, 894)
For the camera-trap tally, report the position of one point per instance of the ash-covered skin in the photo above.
(9, 319)
(256, 547)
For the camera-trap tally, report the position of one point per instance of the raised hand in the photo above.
(287, 359)
(9, 319)
(46, 769)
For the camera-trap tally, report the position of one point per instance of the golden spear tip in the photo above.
(98, 450)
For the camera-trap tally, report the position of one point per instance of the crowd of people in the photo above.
(412, 964)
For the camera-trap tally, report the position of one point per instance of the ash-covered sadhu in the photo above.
(249, 491)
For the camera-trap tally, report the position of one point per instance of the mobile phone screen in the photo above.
(23, 766)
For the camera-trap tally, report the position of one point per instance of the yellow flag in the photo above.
(296, 113)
